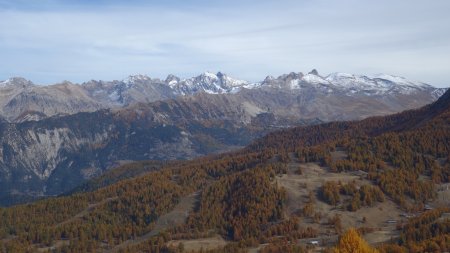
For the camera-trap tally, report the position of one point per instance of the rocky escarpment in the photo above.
(35, 156)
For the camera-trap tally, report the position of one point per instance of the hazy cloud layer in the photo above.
(50, 41)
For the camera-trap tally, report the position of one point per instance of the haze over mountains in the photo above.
(55, 137)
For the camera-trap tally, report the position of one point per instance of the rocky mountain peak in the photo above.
(137, 79)
(16, 81)
(66, 82)
(398, 80)
(207, 75)
(314, 72)
(172, 79)
(269, 78)
(294, 75)
(220, 75)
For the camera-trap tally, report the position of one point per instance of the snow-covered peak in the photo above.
(399, 80)
(209, 75)
(314, 79)
(231, 82)
(5, 82)
(345, 80)
(210, 83)
(345, 83)
(172, 80)
(269, 78)
(136, 78)
(16, 81)
(338, 75)
(378, 84)
(171, 77)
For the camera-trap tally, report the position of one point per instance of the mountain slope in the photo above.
(50, 156)
(407, 120)
(244, 196)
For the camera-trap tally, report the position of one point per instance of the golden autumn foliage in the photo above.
(352, 242)
(238, 197)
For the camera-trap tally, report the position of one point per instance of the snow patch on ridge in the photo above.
(314, 79)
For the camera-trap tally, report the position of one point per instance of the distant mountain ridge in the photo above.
(21, 100)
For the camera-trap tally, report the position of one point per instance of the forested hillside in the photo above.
(293, 190)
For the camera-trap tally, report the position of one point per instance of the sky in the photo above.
(48, 41)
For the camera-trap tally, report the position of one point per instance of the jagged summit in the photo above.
(314, 72)
(16, 81)
(207, 82)
(136, 78)
(172, 79)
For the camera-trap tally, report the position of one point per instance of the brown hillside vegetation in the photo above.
(293, 191)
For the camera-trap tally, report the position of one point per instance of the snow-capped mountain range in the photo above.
(207, 82)
(221, 83)
(19, 97)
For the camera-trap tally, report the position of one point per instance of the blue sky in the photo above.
(48, 41)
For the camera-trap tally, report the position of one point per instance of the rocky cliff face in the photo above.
(51, 156)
